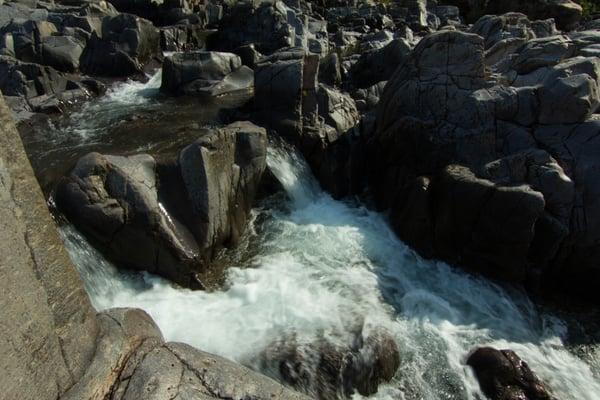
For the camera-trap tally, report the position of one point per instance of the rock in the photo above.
(61, 53)
(337, 109)
(326, 369)
(485, 227)
(379, 65)
(286, 93)
(55, 345)
(182, 38)
(248, 54)
(367, 99)
(28, 79)
(567, 13)
(270, 27)
(126, 45)
(503, 375)
(47, 321)
(330, 72)
(177, 214)
(211, 73)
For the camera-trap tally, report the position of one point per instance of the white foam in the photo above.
(325, 265)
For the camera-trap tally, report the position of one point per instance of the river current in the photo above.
(312, 265)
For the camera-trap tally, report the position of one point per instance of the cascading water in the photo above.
(320, 265)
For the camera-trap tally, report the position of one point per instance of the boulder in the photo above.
(127, 43)
(330, 369)
(168, 218)
(502, 375)
(337, 109)
(29, 79)
(61, 53)
(379, 65)
(205, 72)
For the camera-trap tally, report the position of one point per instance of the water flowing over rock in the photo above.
(328, 370)
(436, 111)
(169, 218)
(504, 376)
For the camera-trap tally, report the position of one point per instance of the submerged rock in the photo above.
(168, 217)
(328, 369)
(502, 375)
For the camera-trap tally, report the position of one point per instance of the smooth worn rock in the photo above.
(209, 73)
(502, 375)
(170, 218)
(62, 53)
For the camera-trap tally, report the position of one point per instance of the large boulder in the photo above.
(513, 131)
(205, 72)
(126, 44)
(330, 369)
(168, 218)
(502, 375)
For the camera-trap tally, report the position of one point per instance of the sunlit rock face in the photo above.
(514, 106)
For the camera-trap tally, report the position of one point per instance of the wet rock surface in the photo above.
(332, 368)
(503, 375)
(170, 217)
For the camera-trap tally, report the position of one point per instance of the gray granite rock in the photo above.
(168, 219)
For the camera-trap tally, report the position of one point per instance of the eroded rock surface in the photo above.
(169, 217)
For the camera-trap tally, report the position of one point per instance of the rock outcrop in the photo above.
(168, 217)
(515, 210)
(328, 370)
(54, 344)
(504, 376)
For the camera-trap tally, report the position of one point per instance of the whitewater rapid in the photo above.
(312, 265)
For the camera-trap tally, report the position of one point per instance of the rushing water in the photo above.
(313, 264)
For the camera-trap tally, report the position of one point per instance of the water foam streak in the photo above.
(321, 266)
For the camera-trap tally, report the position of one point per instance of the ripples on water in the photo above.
(321, 265)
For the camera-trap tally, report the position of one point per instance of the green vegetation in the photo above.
(590, 7)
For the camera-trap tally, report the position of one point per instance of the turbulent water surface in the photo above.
(313, 264)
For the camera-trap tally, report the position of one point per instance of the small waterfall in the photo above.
(321, 266)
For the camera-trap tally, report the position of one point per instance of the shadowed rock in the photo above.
(502, 375)
(168, 218)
